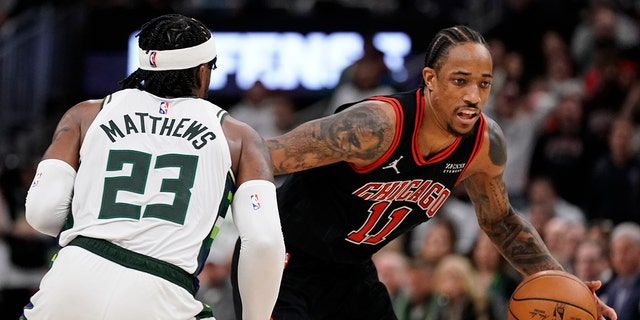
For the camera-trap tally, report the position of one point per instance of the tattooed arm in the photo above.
(515, 237)
(359, 134)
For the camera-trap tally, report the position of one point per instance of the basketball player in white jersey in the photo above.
(136, 185)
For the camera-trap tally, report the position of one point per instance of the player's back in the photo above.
(154, 175)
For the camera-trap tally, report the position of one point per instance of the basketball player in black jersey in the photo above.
(377, 168)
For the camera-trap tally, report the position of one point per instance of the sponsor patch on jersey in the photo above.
(453, 167)
(164, 107)
(255, 202)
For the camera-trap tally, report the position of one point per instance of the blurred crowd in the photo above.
(566, 92)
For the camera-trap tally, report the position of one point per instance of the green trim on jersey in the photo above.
(105, 101)
(137, 261)
(221, 115)
(206, 312)
(223, 208)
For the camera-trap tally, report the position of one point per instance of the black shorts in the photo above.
(314, 289)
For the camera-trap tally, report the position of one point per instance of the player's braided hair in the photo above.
(447, 38)
(167, 32)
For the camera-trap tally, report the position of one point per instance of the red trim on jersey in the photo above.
(417, 155)
(477, 146)
(396, 138)
(417, 158)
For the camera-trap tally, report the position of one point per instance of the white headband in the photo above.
(177, 59)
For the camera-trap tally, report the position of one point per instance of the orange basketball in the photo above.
(552, 294)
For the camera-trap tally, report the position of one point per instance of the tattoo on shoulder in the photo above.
(359, 133)
(497, 144)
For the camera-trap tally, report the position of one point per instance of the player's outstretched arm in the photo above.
(255, 214)
(359, 134)
(515, 237)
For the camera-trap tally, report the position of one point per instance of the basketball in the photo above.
(552, 294)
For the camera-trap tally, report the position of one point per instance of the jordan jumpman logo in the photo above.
(393, 165)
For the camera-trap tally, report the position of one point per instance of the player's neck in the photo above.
(433, 135)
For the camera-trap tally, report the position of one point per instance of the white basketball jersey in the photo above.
(154, 176)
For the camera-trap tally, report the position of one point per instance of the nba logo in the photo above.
(36, 180)
(164, 107)
(152, 59)
(255, 202)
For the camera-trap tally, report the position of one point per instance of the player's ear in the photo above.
(201, 79)
(428, 75)
(201, 73)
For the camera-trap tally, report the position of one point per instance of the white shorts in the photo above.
(83, 285)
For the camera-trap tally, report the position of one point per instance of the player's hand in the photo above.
(603, 309)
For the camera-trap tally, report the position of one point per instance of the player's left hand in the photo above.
(603, 309)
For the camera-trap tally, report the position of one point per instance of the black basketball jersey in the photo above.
(345, 213)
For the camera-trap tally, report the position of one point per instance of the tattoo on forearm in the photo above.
(491, 200)
(294, 153)
(520, 244)
(514, 236)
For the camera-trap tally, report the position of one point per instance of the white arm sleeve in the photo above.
(49, 197)
(262, 252)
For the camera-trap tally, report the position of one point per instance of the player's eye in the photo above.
(459, 82)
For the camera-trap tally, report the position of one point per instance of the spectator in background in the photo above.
(602, 21)
(592, 261)
(562, 237)
(457, 210)
(543, 196)
(457, 295)
(599, 229)
(257, 110)
(553, 234)
(522, 28)
(496, 278)
(563, 151)
(367, 76)
(281, 118)
(607, 83)
(365, 79)
(539, 215)
(623, 291)
(393, 272)
(284, 110)
(498, 54)
(439, 240)
(420, 291)
(559, 68)
(575, 233)
(615, 183)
